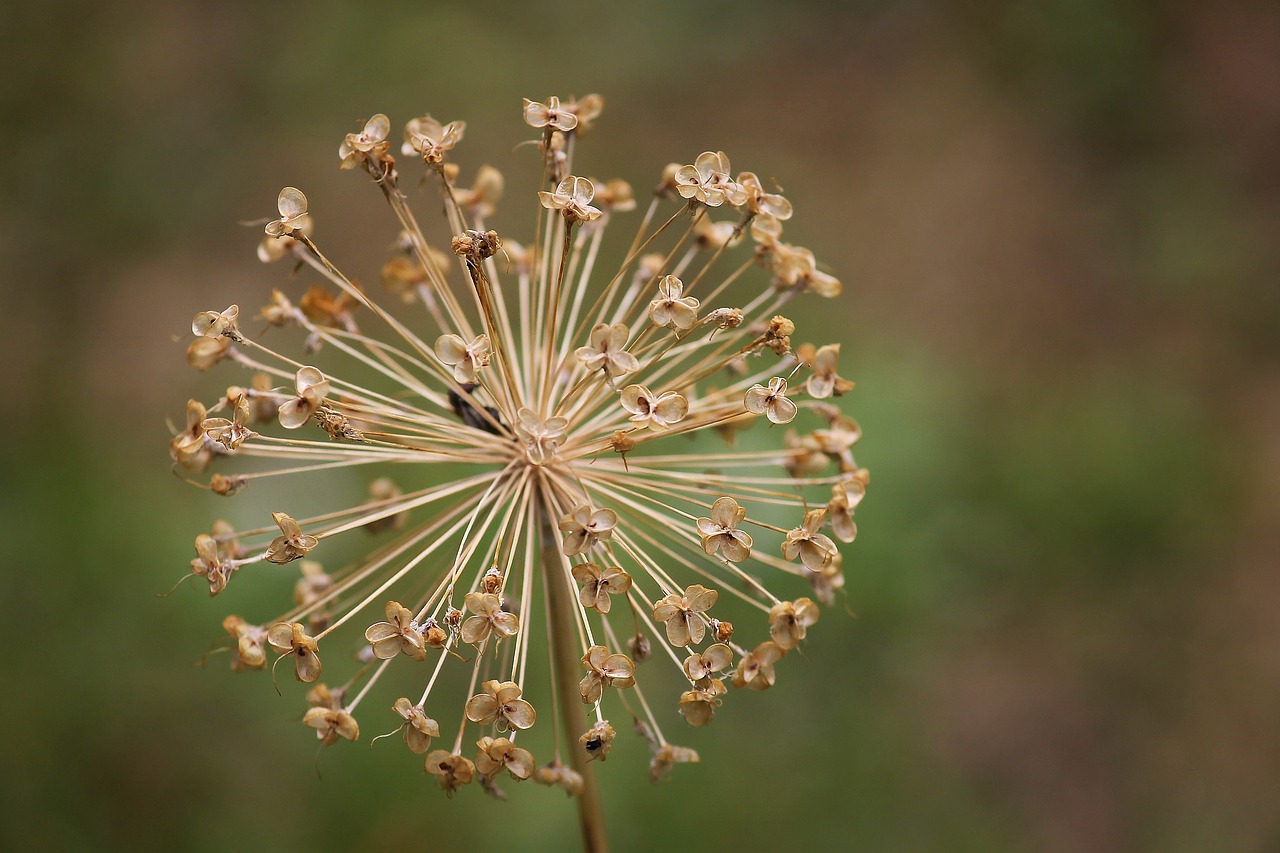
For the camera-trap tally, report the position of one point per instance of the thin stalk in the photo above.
(574, 718)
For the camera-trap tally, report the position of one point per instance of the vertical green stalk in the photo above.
(564, 644)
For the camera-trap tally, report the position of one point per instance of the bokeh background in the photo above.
(1059, 228)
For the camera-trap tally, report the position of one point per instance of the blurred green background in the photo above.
(1058, 225)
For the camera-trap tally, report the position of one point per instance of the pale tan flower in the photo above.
(573, 196)
(217, 324)
(550, 114)
(230, 433)
(605, 670)
(845, 497)
(204, 353)
(814, 549)
(615, 196)
(500, 703)
(189, 448)
(587, 109)
(772, 401)
(330, 725)
(249, 651)
(430, 139)
(708, 181)
(370, 144)
(720, 532)
(683, 614)
(584, 528)
(465, 358)
(541, 437)
(656, 410)
(292, 544)
(827, 580)
(292, 205)
(290, 638)
(824, 382)
(561, 776)
(789, 621)
(755, 670)
(312, 389)
(598, 584)
(607, 351)
(312, 584)
(666, 757)
(419, 729)
(399, 634)
(837, 441)
(483, 196)
(498, 754)
(452, 771)
(700, 666)
(489, 618)
(699, 705)
(771, 205)
(211, 564)
(672, 308)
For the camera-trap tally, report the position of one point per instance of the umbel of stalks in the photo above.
(578, 470)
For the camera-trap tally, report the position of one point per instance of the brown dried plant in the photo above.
(536, 417)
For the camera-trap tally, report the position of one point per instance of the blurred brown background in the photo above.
(1058, 224)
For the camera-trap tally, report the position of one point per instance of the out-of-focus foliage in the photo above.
(1058, 225)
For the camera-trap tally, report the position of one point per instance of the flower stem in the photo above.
(564, 645)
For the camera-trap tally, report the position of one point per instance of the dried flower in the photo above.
(720, 532)
(672, 308)
(330, 725)
(772, 401)
(369, 144)
(430, 139)
(419, 729)
(845, 497)
(607, 351)
(561, 776)
(312, 389)
(815, 549)
(465, 358)
(452, 771)
(755, 670)
(824, 382)
(289, 638)
(708, 181)
(789, 620)
(399, 634)
(549, 114)
(489, 618)
(605, 670)
(683, 614)
(500, 703)
(598, 584)
(292, 205)
(585, 527)
(292, 544)
(531, 487)
(657, 410)
(498, 754)
(573, 196)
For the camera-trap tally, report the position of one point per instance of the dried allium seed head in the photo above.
(545, 432)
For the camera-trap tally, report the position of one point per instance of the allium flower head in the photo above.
(541, 437)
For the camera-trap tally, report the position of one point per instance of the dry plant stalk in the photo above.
(561, 403)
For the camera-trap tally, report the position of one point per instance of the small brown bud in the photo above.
(640, 647)
(221, 484)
